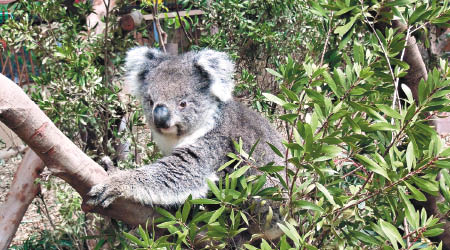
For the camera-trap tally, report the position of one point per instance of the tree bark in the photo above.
(20, 195)
(62, 157)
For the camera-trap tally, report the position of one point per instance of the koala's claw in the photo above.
(102, 195)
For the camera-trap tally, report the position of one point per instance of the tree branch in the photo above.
(20, 195)
(63, 158)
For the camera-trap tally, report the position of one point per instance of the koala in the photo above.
(189, 107)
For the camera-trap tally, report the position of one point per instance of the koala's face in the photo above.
(176, 98)
(179, 94)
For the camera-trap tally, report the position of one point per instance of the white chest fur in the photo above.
(167, 142)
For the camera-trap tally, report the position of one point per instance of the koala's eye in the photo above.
(182, 104)
(150, 101)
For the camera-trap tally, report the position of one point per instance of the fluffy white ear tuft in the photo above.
(220, 70)
(138, 63)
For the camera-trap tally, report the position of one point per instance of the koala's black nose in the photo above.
(161, 116)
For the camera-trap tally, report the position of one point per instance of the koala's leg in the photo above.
(167, 182)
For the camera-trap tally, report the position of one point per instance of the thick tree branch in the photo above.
(63, 158)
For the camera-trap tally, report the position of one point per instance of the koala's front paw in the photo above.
(104, 194)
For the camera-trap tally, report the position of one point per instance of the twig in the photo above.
(406, 227)
(326, 41)
(182, 24)
(158, 26)
(417, 171)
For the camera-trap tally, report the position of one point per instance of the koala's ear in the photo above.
(220, 69)
(138, 63)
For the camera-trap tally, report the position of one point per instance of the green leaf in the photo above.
(228, 163)
(290, 232)
(329, 80)
(411, 215)
(398, 3)
(238, 173)
(165, 213)
(326, 193)
(426, 185)
(317, 9)
(214, 189)
(134, 239)
(275, 150)
(410, 157)
(389, 111)
(445, 152)
(372, 165)
(408, 93)
(273, 72)
(358, 52)
(275, 99)
(308, 205)
(365, 238)
(355, 127)
(342, 30)
(417, 14)
(416, 193)
(433, 232)
(344, 10)
(382, 126)
(205, 201)
(271, 168)
(186, 210)
(216, 215)
(392, 233)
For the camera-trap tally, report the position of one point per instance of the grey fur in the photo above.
(200, 135)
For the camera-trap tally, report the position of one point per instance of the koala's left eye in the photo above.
(183, 104)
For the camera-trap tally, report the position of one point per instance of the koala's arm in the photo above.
(168, 181)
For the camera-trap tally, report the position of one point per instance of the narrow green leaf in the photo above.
(416, 193)
(344, 10)
(392, 233)
(410, 157)
(134, 239)
(238, 173)
(205, 201)
(216, 215)
(326, 193)
(214, 189)
(365, 238)
(398, 3)
(290, 232)
(228, 163)
(342, 30)
(275, 150)
(165, 213)
(275, 99)
(372, 165)
(273, 72)
(185, 211)
(433, 232)
(271, 169)
(308, 205)
(411, 215)
(383, 126)
(389, 111)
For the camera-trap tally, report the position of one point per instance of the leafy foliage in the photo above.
(357, 156)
